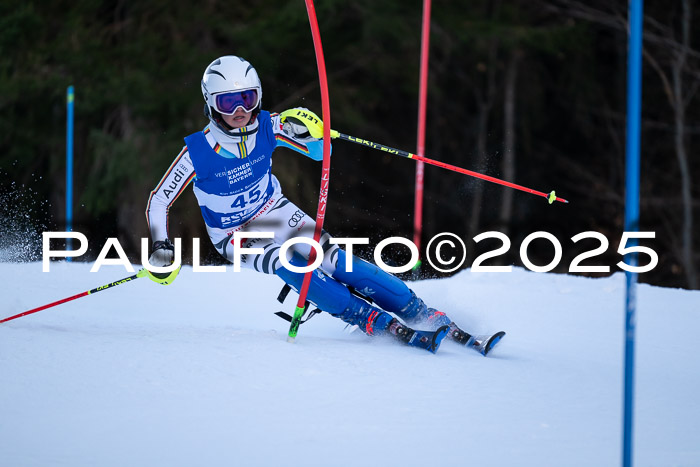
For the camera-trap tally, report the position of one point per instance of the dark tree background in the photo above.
(531, 91)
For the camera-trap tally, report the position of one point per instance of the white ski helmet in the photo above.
(230, 82)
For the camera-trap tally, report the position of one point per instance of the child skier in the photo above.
(230, 165)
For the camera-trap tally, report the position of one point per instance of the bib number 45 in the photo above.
(251, 196)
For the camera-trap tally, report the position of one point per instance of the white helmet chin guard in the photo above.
(229, 74)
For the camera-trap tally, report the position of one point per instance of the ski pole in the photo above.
(141, 273)
(551, 197)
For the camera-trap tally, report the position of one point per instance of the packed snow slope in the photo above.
(200, 373)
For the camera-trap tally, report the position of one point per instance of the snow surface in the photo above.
(199, 373)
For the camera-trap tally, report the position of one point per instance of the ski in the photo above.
(482, 344)
(428, 340)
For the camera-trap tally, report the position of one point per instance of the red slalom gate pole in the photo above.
(141, 273)
(325, 171)
(422, 111)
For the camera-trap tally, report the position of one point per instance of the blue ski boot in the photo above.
(428, 340)
(374, 322)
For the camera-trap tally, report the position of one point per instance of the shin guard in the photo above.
(333, 297)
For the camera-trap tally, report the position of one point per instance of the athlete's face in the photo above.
(238, 119)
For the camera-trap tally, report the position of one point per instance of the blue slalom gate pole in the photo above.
(632, 156)
(69, 166)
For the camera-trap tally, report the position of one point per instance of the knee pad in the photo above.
(333, 297)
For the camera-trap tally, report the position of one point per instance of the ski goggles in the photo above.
(228, 102)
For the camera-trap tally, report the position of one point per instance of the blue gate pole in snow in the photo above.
(634, 108)
(69, 166)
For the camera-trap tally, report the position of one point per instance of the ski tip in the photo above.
(290, 339)
(438, 336)
(492, 342)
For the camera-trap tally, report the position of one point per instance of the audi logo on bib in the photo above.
(296, 218)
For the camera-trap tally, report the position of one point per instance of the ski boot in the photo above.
(428, 340)
(482, 343)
